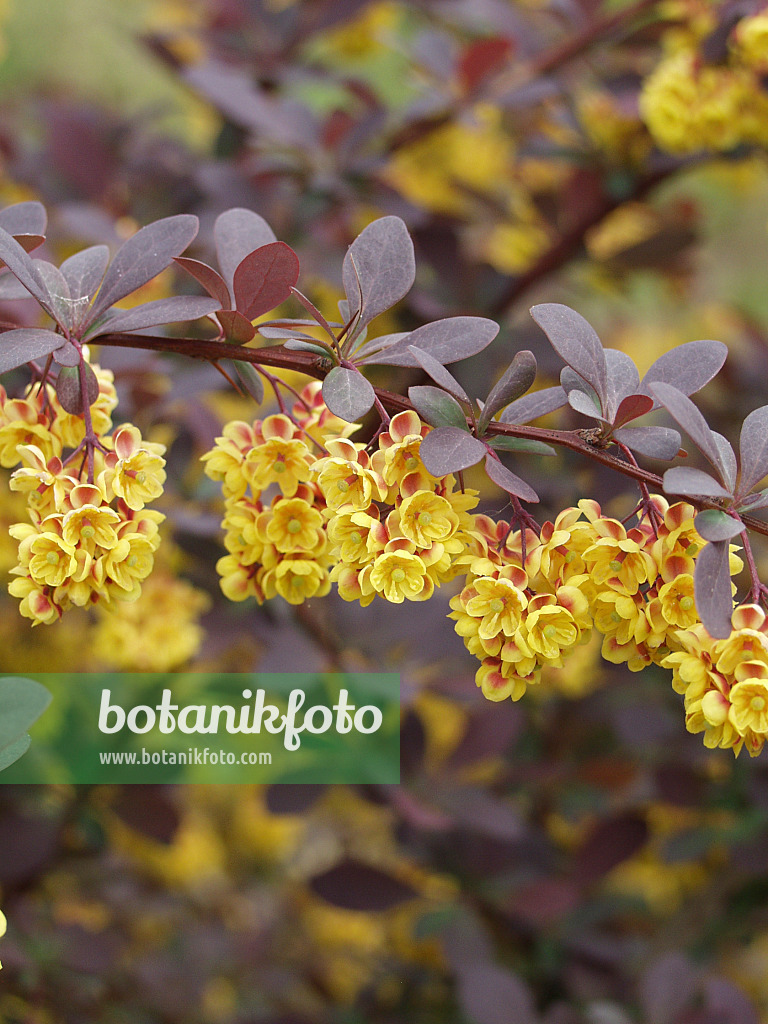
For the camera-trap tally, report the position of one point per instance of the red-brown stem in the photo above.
(313, 366)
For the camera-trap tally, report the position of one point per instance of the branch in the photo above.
(313, 366)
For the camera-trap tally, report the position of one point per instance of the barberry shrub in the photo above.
(307, 507)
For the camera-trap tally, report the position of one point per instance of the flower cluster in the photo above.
(89, 537)
(690, 104)
(396, 530)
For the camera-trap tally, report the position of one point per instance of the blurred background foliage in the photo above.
(573, 858)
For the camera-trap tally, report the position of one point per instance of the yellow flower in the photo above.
(91, 525)
(346, 479)
(399, 575)
(135, 469)
(749, 699)
(498, 603)
(677, 603)
(292, 524)
(496, 685)
(129, 562)
(296, 579)
(35, 603)
(52, 560)
(550, 628)
(426, 517)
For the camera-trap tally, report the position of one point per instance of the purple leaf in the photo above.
(67, 355)
(576, 342)
(493, 995)
(347, 393)
(84, 271)
(653, 442)
(12, 288)
(456, 337)
(438, 373)
(19, 346)
(449, 450)
(162, 311)
(143, 257)
(58, 290)
(712, 589)
(68, 389)
(622, 380)
(299, 345)
(508, 481)
(693, 423)
(437, 407)
(610, 842)
(755, 501)
(236, 233)
(237, 329)
(213, 283)
(631, 407)
(23, 267)
(688, 367)
(714, 525)
(530, 407)
(264, 279)
(27, 218)
(379, 268)
(250, 379)
(367, 352)
(753, 447)
(507, 443)
(687, 480)
(727, 460)
(515, 381)
(583, 403)
(353, 885)
(30, 242)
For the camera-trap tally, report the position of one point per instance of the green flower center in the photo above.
(550, 632)
(615, 565)
(343, 486)
(686, 603)
(411, 463)
(398, 575)
(615, 617)
(278, 467)
(294, 526)
(425, 518)
(141, 477)
(87, 531)
(497, 605)
(757, 704)
(52, 558)
(355, 537)
(132, 562)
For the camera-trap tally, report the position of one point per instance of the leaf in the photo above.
(515, 381)
(524, 445)
(67, 355)
(22, 701)
(264, 279)
(68, 389)
(753, 448)
(367, 352)
(755, 501)
(622, 380)
(15, 750)
(60, 305)
(653, 442)
(610, 842)
(727, 459)
(507, 480)
(30, 242)
(162, 311)
(447, 341)
(250, 379)
(438, 373)
(213, 282)
(347, 393)
(238, 330)
(437, 407)
(449, 450)
(714, 525)
(687, 480)
(23, 267)
(576, 342)
(143, 257)
(28, 218)
(299, 345)
(688, 367)
(236, 233)
(83, 273)
(353, 885)
(379, 268)
(583, 403)
(530, 407)
(25, 343)
(712, 589)
(631, 407)
(693, 423)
